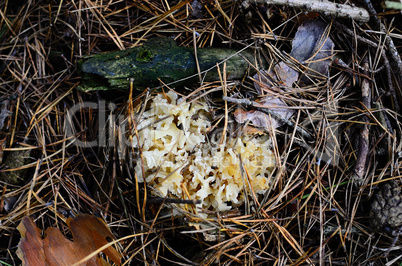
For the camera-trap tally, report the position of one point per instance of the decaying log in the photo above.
(159, 60)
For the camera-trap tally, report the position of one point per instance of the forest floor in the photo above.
(337, 144)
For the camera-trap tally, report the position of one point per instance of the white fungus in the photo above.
(179, 158)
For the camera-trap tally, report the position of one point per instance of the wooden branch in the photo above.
(364, 142)
(327, 8)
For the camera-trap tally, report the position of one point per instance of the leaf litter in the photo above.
(312, 48)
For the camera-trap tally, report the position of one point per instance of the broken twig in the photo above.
(360, 167)
(327, 8)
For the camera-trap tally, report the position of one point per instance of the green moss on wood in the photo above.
(159, 59)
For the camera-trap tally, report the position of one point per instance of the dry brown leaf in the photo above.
(260, 119)
(281, 74)
(89, 234)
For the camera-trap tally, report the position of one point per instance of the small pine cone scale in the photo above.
(386, 209)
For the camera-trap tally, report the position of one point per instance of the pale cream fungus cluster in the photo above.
(178, 157)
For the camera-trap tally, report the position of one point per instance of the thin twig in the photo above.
(364, 143)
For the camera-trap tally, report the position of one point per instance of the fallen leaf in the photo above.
(313, 48)
(89, 234)
(30, 249)
(281, 74)
(257, 118)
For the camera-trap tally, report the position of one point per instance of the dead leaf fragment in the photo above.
(30, 249)
(261, 119)
(313, 47)
(281, 74)
(92, 231)
(89, 234)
